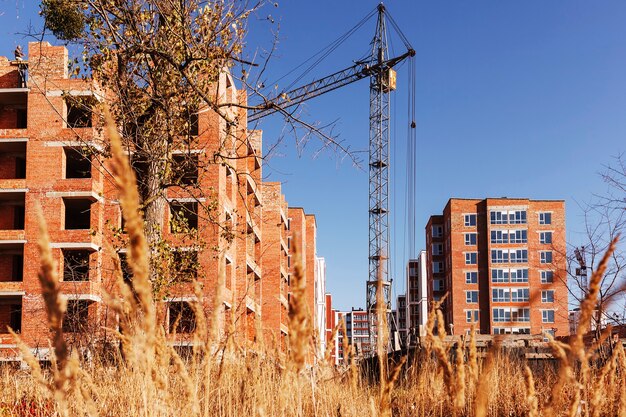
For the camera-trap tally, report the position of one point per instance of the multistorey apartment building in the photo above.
(501, 262)
(357, 330)
(329, 328)
(417, 298)
(401, 319)
(50, 156)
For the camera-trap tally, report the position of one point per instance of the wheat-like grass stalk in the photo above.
(138, 260)
(531, 396)
(483, 390)
(51, 290)
(472, 358)
(299, 316)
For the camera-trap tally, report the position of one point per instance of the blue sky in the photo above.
(521, 99)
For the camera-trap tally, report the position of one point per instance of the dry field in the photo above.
(223, 379)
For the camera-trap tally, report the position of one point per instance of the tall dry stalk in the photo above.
(138, 250)
(300, 331)
(51, 290)
(531, 396)
(574, 352)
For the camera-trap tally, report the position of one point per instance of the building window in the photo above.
(519, 256)
(520, 314)
(545, 237)
(184, 265)
(519, 275)
(499, 256)
(501, 315)
(75, 265)
(76, 316)
(438, 285)
(471, 296)
(437, 248)
(470, 239)
(518, 236)
(547, 316)
(79, 111)
(547, 277)
(501, 295)
(77, 164)
(546, 257)
(471, 277)
(77, 213)
(184, 216)
(437, 267)
(519, 295)
(499, 275)
(499, 236)
(471, 258)
(545, 218)
(517, 217)
(547, 296)
(498, 217)
(185, 169)
(182, 317)
(437, 230)
(11, 314)
(469, 220)
(471, 316)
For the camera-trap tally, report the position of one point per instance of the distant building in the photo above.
(357, 333)
(330, 324)
(416, 301)
(501, 261)
(401, 319)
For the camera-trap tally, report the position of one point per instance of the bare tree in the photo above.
(604, 220)
(159, 63)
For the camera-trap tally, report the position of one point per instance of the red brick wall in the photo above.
(455, 267)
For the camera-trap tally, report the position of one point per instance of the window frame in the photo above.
(547, 296)
(471, 277)
(547, 276)
(470, 219)
(543, 216)
(471, 238)
(543, 257)
(469, 296)
(543, 235)
(471, 258)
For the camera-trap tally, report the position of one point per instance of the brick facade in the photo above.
(502, 263)
(38, 165)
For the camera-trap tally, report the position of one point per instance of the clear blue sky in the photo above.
(513, 99)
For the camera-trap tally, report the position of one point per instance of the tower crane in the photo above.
(379, 68)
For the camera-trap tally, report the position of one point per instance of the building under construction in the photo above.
(50, 155)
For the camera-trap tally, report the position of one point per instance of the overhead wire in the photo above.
(323, 53)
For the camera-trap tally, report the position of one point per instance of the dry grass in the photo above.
(219, 380)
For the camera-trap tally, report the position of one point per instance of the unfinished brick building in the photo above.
(50, 155)
(502, 263)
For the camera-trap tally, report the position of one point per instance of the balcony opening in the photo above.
(192, 120)
(10, 314)
(12, 262)
(13, 160)
(75, 265)
(12, 210)
(127, 273)
(13, 109)
(182, 318)
(185, 169)
(77, 164)
(184, 265)
(184, 216)
(79, 112)
(76, 319)
(77, 213)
